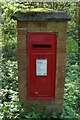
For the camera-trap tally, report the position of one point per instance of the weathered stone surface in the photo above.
(41, 16)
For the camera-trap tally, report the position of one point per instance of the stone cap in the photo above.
(41, 16)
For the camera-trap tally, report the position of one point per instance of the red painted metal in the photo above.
(41, 46)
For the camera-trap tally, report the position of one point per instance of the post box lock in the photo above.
(36, 93)
(41, 65)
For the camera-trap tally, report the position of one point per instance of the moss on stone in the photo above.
(35, 10)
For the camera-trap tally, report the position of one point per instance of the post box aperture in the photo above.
(41, 65)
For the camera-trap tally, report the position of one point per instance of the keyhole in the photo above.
(36, 93)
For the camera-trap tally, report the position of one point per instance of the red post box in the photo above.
(41, 58)
(41, 65)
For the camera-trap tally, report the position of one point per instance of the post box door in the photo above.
(41, 73)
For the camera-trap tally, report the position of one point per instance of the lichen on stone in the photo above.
(35, 10)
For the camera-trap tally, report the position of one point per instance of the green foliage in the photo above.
(72, 45)
(8, 31)
(9, 75)
(71, 93)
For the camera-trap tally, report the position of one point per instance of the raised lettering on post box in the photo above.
(41, 65)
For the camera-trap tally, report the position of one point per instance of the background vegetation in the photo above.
(11, 108)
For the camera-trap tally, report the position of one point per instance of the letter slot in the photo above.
(41, 45)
